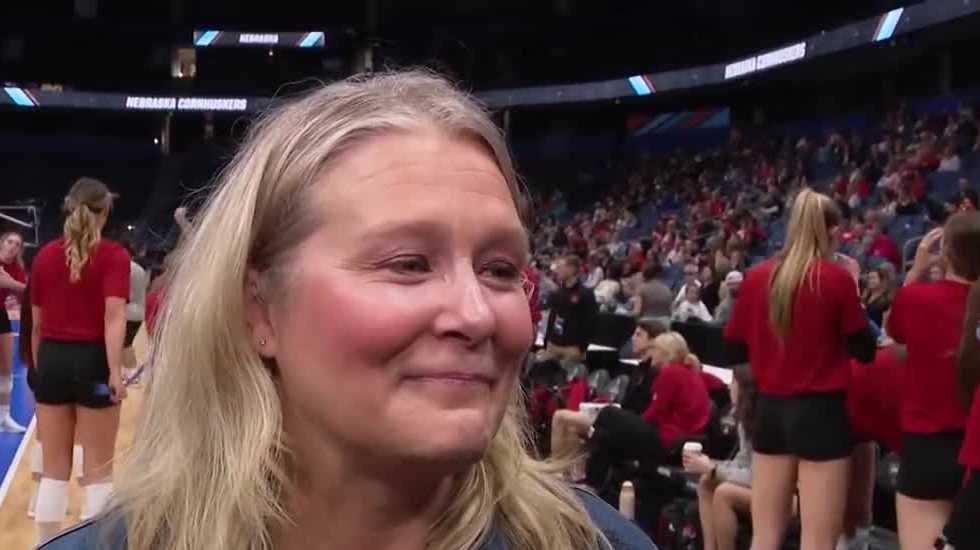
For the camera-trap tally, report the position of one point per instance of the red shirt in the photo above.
(679, 403)
(712, 383)
(884, 246)
(75, 312)
(928, 318)
(17, 273)
(812, 357)
(874, 400)
(533, 296)
(154, 300)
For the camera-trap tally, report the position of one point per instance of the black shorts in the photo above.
(32, 379)
(132, 327)
(5, 326)
(73, 373)
(812, 426)
(930, 468)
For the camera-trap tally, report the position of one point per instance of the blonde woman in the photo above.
(12, 282)
(79, 286)
(341, 340)
(679, 406)
(800, 318)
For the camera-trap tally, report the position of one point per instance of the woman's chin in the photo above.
(460, 437)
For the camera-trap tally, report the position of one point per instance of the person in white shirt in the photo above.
(691, 273)
(692, 307)
(135, 312)
(950, 161)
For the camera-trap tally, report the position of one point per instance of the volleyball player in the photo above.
(928, 319)
(797, 319)
(12, 279)
(79, 287)
(962, 530)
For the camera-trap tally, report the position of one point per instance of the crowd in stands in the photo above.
(673, 244)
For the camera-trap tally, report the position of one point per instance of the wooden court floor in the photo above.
(17, 531)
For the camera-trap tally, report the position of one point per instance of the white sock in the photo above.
(77, 461)
(32, 505)
(52, 501)
(4, 411)
(96, 497)
(37, 458)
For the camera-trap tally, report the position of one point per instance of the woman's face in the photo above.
(874, 280)
(10, 247)
(404, 323)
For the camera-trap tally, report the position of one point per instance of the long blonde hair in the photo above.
(807, 240)
(216, 478)
(87, 200)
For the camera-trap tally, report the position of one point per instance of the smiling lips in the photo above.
(457, 377)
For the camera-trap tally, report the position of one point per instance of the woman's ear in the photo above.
(258, 315)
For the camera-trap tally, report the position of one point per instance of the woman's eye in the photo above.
(503, 271)
(410, 265)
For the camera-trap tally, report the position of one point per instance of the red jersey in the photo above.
(17, 273)
(874, 400)
(75, 311)
(679, 403)
(812, 357)
(928, 319)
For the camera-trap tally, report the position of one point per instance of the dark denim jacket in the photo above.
(623, 534)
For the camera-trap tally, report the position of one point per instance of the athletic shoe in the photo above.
(8, 424)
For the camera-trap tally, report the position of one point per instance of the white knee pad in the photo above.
(96, 497)
(37, 459)
(52, 501)
(77, 461)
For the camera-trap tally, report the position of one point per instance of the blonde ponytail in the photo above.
(807, 240)
(692, 361)
(86, 202)
(81, 232)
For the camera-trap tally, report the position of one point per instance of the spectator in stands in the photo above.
(729, 295)
(679, 406)
(724, 488)
(345, 362)
(653, 298)
(878, 293)
(692, 307)
(691, 273)
(968, 200)
(907, 204)
(950, 161)
(883, 246)
(609, 290)
(962, 529)
(928, 319)
(797, 319)
(572, 311)
(637, 397)
(596, 272)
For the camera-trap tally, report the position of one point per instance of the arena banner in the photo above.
(870, 31)
(213, 38)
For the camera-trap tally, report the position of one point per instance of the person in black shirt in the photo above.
(571, 319)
